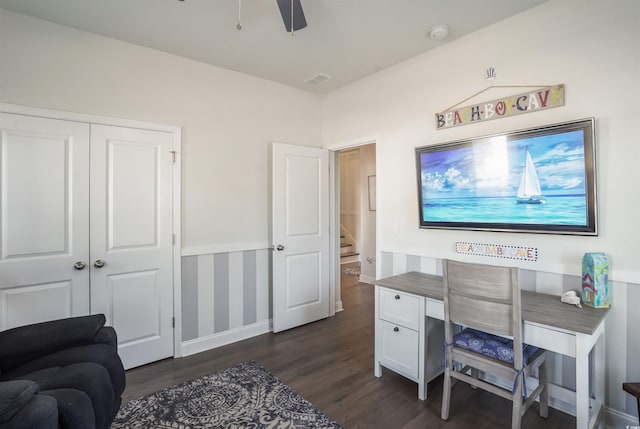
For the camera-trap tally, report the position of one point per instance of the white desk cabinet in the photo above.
(403, 335)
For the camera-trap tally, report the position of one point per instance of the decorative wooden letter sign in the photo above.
(527, 102)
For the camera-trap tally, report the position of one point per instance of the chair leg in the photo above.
(475, 374)
(543, 377)
(446, 393)
(516, 412)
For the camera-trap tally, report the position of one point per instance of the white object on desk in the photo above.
(571, 297)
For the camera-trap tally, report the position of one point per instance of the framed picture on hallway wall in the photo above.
(372, 193)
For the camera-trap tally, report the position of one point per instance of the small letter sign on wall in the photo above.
(498, 251)
(527, 102)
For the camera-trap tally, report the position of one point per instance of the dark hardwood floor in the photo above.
(330, 363)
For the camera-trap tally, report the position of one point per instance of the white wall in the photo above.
(228, 118)
(591, 47)
(350, 204)
(368, 223)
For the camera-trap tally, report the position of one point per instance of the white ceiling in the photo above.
(345, 39)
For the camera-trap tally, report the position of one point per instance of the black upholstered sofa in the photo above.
(60, 374)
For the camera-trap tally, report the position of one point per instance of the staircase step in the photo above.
(346, 255)
(345, 245)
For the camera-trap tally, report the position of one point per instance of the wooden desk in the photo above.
(548, 323)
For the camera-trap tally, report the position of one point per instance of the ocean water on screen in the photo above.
(558, 210)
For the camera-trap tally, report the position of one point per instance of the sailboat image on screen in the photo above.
(529, 191)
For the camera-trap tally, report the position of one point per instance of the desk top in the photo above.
(537, 307)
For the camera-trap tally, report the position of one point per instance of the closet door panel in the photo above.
(131, 238)
(44, 219)
(133, 220)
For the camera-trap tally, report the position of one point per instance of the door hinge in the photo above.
(173, 239)
(173, 154)
(173, 322)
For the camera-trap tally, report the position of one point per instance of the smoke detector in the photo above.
(439, 32)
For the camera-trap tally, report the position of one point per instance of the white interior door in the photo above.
(44, 219)
(131, 239)
(300, 235)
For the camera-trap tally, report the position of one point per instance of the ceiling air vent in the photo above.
(318, 79)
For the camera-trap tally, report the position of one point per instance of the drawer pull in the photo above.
(397, 297)
(396, 329)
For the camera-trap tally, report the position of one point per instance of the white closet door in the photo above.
(131, 239)
(44, 219)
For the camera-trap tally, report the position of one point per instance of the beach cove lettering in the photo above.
(498, 251)
(541, 99)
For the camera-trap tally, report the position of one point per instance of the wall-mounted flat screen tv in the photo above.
(540, 180)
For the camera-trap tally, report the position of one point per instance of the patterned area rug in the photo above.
(243, 396)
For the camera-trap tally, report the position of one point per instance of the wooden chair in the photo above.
(485, 301)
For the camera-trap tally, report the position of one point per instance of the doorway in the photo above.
(357, 216)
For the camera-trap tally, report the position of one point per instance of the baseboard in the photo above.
(367, 279)
(563, 399)
(339, 306)
(213, 341)
(615, 419)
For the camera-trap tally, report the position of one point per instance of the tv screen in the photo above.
(537, 180)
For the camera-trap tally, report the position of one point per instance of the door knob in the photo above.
(79, 265)
(279, 247)
(99, 263)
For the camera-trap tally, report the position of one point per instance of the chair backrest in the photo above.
(483, 297)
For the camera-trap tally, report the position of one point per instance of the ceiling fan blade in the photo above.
(299, 20)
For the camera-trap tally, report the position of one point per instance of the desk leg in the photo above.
(599, 372)
(422, 390)
(582, 382)
(377, 368)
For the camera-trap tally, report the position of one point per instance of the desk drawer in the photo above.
(399, 349)
(400, 308)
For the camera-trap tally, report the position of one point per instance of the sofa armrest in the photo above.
(41, 412)
(107, 335)
(29, 342)
(14, 395)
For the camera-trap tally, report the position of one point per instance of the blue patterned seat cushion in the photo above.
(491, 345)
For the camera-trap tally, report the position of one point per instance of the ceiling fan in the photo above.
(292, 15)
(291, 11)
